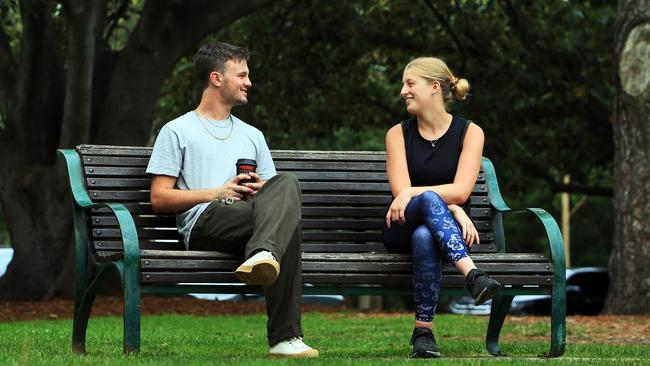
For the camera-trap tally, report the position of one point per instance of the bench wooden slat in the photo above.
(328, 155)
(378, 213)
(89, 160)
(346, 199)
(142, 151)
(143, 185)
(449, 280)
(111, 245)
(375, 247)
(333, 211)
(145, 244)
(341, 236)
(139, 172)
(170, 221)
(392, 257)
(481, 213)
(344, 248)
(341, 257)
(147, 221)
(355, 166)
(194, 264)
(105, 227)
(339, 279)
(115, 171)
(143, 233)
(149, 244)
(135, 208)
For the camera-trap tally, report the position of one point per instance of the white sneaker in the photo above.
(292, 348)
(261, 269)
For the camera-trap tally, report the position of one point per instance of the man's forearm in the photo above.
(173, 200)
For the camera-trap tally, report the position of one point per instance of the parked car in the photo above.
(586, 289)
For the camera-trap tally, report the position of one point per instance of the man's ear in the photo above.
(216, 78)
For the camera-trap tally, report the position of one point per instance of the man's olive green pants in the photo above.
(268, 221)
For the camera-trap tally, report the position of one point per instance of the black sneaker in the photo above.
(481, 286)
(424, 344)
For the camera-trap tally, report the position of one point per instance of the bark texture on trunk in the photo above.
(629, 290)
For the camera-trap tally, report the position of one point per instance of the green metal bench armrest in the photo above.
(493, 186)
(550, 225)
(83, 202)
(77, 188)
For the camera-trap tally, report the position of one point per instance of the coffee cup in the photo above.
(246, 166)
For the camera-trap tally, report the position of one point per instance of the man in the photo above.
(256, 215)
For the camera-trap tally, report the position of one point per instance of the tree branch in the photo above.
(114, 18)
(447, 27)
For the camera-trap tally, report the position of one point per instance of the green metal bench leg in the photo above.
(558, 321)
(80, 322)
(131, 283)
(500, 307)
(83, 304)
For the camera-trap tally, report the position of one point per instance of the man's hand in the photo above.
(233, 189)
(255, 185)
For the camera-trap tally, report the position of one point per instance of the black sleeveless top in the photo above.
(433, 165)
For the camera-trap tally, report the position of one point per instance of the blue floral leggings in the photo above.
(433, 233)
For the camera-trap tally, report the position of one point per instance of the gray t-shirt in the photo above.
(186, 148)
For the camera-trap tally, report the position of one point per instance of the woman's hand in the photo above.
(470, 234)
(398, 208)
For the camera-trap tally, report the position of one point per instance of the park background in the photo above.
(545, 87)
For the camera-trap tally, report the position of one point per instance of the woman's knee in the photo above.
(422, 241)
(431, 197)
(432, 204)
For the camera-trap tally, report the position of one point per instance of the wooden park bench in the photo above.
(345, 194)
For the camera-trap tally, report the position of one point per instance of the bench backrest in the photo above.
(345, 195)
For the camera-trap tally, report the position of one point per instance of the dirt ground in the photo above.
(608, 329)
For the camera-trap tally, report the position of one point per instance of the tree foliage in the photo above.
(328, 74)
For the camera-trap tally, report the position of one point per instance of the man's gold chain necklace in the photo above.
(201, 118)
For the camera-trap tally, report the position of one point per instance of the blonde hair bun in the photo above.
(460, 88)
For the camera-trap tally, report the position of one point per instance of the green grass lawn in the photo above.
(342, 338)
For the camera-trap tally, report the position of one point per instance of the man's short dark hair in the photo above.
(213, 56)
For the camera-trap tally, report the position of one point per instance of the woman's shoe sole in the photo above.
(487, 294)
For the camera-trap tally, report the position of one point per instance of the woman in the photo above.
(433, 160)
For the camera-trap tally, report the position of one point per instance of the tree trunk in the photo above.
(49, 100)
(629, 290)
(37, 209)
(166, 31)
